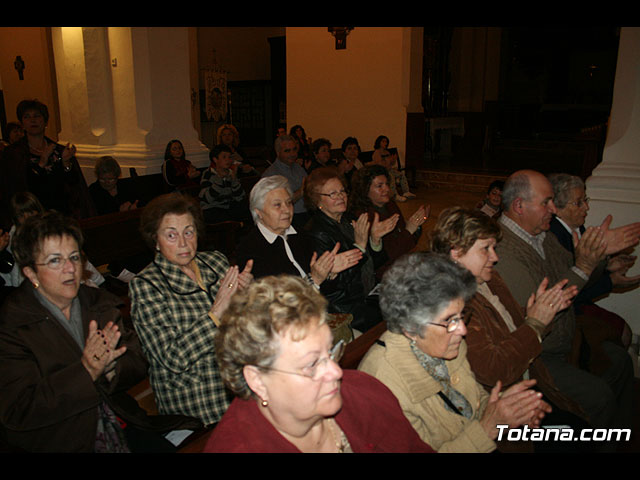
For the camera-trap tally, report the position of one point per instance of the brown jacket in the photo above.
(495, 353)
(49, 401)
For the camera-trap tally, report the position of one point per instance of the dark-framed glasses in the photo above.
(56, 263)
(313, 371)
(335, 195)
(451, 325)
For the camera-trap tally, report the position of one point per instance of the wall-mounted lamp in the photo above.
(340, 33)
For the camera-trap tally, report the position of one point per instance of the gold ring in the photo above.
(551, 305)
(230, 285)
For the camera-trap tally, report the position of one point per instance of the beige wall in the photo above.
(362, 91)
(33, 45)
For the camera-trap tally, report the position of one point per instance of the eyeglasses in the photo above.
(313, 371)
(334, 195)
(452, 324)
(56, 263)
(581, 202)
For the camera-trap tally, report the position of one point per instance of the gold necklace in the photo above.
(340, 440)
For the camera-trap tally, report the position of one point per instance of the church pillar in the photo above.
(614, 186)
(125, 92)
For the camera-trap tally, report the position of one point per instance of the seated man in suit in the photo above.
(572, 206)
(527, 255)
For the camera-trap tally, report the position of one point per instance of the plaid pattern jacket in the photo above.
(170, 315)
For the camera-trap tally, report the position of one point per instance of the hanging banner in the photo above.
(215, 82)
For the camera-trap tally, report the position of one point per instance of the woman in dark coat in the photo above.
(66, 359)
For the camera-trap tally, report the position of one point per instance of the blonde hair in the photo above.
(256, 317)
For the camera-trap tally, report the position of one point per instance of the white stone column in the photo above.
(614, 186)
(125, 92)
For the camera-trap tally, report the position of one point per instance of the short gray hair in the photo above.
(418, 286)
(262, 188)
(516, 186)
(562, 184)
(282, 138)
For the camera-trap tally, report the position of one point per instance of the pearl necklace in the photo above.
(340, 439)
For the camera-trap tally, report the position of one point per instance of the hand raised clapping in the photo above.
(544, 304)
(100, 352)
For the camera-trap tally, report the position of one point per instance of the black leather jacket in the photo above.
(347, 293)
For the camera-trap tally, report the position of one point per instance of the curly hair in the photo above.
(459, 228)
(418, 287)
(359, 200)
(234, 130)
(257, 316)
(169, 203)
(315, 181)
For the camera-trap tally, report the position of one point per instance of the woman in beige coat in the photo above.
(422, 359)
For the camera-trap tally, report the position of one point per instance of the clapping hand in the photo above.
(418, 218)
(380, 228)
(590, 249)
(100, 352)
(544, 304)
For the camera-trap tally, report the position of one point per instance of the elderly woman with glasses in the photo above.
(176, 304)
(66, 359)
(276, 247)
(325, 195)
(422, 359)
(276, 353)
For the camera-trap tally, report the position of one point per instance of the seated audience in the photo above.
(228, 135)
(491, 205)
(222, 197)
(350, 163)
(422, 359)
(370, 193)
(66, 359)
(276, 354)
(399, 183)
(285, 164)
(177, 171)
(176, 302)
(528, 254)
(24, 205)
(277, 248)
(37, 164)
(504, 342)
(108, 194)
(572, 206)
(321, 155)
(349, 291)
(304, 143)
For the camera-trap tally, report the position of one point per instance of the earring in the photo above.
(265, 403)
(36, 284)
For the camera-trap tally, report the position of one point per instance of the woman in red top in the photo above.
(276, 353)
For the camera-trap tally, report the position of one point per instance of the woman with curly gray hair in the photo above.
(276, 353)
(422, 359)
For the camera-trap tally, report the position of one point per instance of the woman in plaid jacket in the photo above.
(176, 302)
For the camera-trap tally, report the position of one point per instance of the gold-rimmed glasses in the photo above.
(313, 371)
